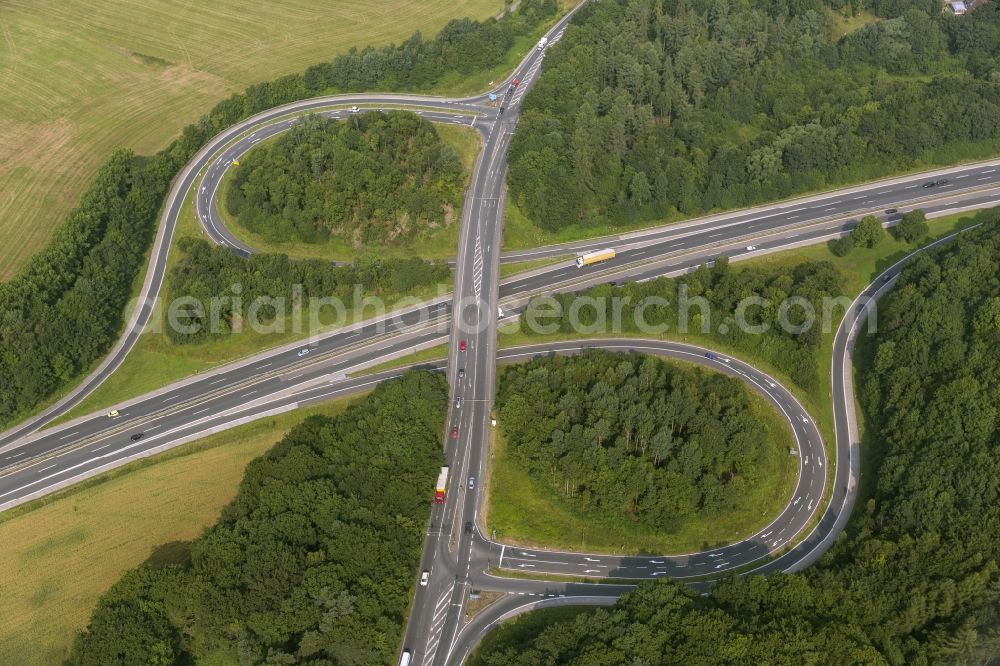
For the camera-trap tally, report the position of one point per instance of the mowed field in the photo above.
(79, 78)
(60, 554)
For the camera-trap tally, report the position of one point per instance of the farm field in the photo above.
(62, 552)
(78, 79)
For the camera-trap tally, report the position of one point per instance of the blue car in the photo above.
(710, 356)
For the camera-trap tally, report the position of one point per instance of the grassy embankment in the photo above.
(78, 79)
(62, 552)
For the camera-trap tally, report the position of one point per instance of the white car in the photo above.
(751, 248)
(304, 351)
(354, 109)
(424, 577)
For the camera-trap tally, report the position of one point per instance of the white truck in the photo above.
(542, 42)
(595, 257)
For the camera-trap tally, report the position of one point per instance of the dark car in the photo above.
(461, 373)
(137, 436)
(930, 184)
(710, 356)
(468, 527)
(890, 211)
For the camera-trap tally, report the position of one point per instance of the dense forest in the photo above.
(916, 577)
(374, 179)
(788, 348)
(626, 436)
(312, 562)
(650, 108)
(212, 274)
(66, 309)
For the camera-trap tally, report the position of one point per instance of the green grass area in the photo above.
(521, 233)
(864, 264)
(435, 353)
(62, 552)
(513, 268)
(526, 511)
(842, 22)
(522, 628)
(437, 244)
(78, 79)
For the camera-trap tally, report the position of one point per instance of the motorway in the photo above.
(460, 560)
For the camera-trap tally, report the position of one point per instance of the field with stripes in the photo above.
(79, 78)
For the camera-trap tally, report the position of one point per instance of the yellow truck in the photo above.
(595, 257)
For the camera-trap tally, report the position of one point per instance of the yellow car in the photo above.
(113, 414)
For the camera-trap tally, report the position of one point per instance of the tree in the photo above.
(729, 104)
(380, 178)
(913, 577)
(286, 573)
(868, 232)
(912, 227)
(841, 247)
(591, 428)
